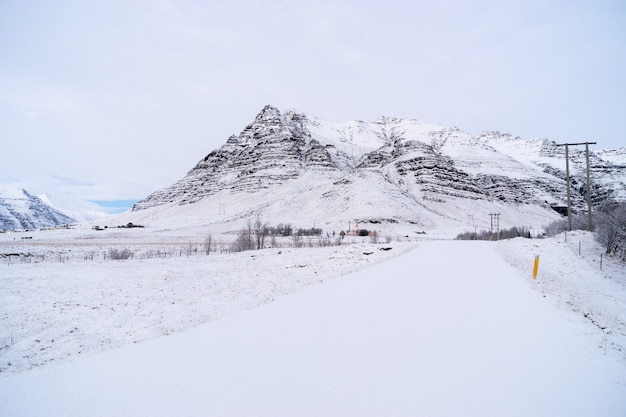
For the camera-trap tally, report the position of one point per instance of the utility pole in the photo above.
(589, 218)
(495, 222)
(569, 195)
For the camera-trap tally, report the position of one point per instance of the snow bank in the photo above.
(576, 276)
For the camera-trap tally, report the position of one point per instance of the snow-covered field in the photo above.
(427, 327)
(70, 301)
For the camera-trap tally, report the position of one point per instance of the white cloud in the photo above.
(128, 96)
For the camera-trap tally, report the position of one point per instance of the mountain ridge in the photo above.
(21, 210)
(423, 170)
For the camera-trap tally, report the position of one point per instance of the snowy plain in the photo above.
(415, 326)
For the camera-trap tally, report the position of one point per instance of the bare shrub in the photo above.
(189, 249)
(120, 254)
(297, 241)
(325, 241)
(555, 227)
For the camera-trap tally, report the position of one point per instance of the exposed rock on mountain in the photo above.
(409, 170)
(21, 210)
(273, 149)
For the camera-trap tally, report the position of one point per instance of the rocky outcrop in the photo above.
(271, 150)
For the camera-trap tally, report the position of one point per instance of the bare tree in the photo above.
(190, 248)
(244, 239)
(261, 231)
(208, 244)
(611, 227)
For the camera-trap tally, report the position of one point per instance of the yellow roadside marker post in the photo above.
(536, 267)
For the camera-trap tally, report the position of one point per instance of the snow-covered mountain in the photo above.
(79, 210)
(21, 210)
(289, 166)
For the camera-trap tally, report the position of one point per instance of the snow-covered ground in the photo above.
(426, 327)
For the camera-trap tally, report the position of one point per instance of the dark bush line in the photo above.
(515, 231)
(609, 228)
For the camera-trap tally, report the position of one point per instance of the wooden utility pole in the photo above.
(569, 195)
(589, 218)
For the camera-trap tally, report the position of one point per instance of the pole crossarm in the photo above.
(575, 144)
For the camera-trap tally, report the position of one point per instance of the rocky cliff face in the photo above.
(273, 149)
(21, 210)
(415, 161)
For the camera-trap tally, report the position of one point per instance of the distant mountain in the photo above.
(393, 170)
(79, 210)
(21, 210)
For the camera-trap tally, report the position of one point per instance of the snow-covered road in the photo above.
(447, 329)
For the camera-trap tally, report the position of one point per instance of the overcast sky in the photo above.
(114, 99)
